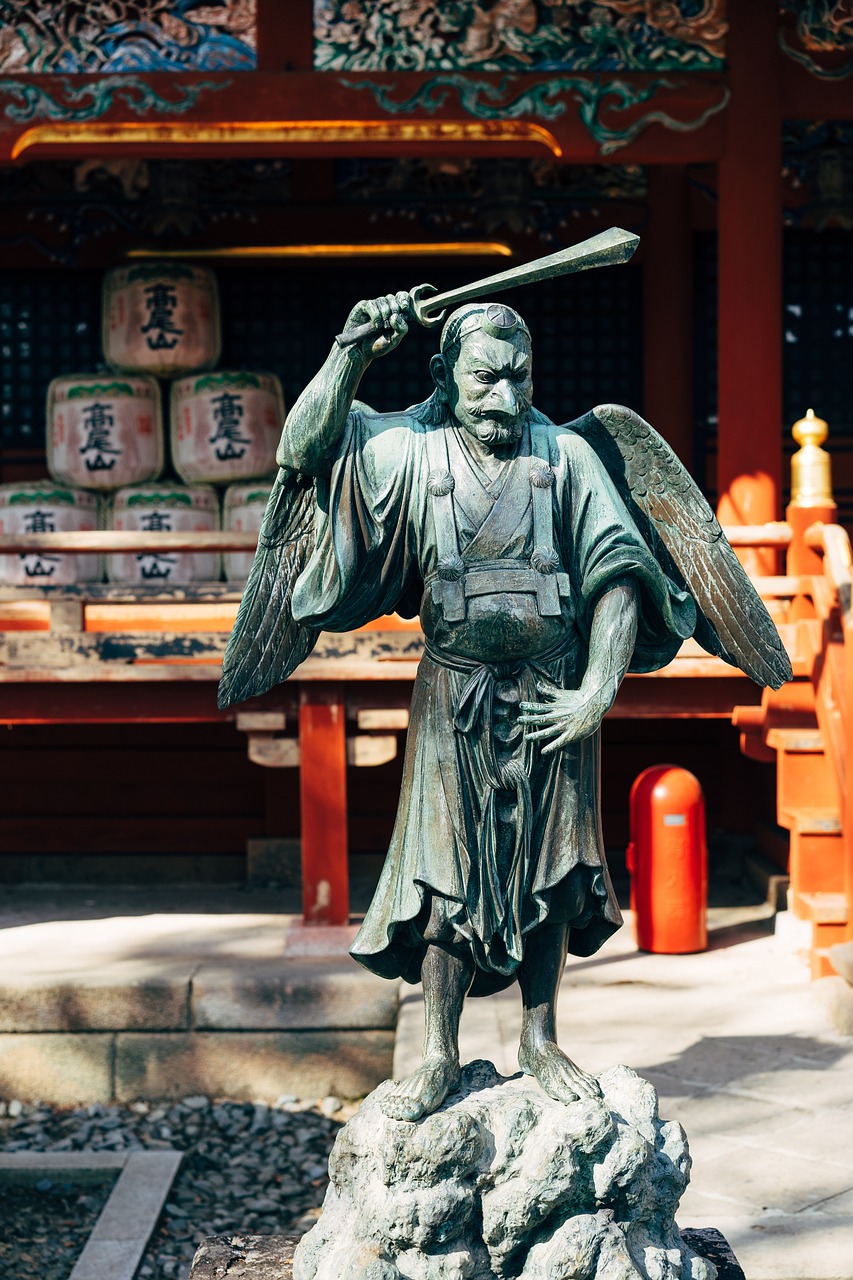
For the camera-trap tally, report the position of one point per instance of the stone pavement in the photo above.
(742, 1053)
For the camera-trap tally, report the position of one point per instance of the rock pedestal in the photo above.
(504, 1182)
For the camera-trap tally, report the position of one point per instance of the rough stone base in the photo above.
(505, 1182)
(271, 1257)
(249, 1257)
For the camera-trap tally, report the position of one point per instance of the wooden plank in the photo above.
(774, 533)
(124, 592)
(363, 751)
(383, 718)
(323, 789)
(261, 721)
(99, 541)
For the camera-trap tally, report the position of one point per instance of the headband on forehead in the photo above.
(494, 318)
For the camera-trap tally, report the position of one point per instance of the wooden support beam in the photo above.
(749, 465)
(323, 790)
(668, 310)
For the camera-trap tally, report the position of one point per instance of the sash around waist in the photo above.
(538, 663)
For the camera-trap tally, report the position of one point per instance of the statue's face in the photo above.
(490, 388)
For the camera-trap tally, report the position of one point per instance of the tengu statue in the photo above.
(545, 561)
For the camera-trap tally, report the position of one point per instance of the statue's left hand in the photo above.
(569, 715)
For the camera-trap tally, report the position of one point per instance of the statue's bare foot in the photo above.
(561, 1078)
(424, 1090)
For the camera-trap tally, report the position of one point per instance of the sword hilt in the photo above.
(420, 309)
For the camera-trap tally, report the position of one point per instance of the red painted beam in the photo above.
(323, 790)
(120, 702)
(306, 113)
(749, 460)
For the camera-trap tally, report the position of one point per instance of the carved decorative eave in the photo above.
(582, 118)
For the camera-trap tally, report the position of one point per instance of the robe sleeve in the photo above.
(361, 566)
(603, 545)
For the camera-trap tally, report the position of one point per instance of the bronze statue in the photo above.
(545, 561)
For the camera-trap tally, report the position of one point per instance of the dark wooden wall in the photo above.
(150, 803)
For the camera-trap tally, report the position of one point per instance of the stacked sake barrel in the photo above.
(43, 506)
(106, 441)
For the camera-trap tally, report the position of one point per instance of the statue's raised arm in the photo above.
(267, 643)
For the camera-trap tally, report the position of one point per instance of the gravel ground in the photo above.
(45, 1227)
(248, 1167)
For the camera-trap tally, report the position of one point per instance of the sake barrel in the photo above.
(41, 506)
(104, 432)
(160, 318)
(242, 511)
(164, 508)
(225, 426)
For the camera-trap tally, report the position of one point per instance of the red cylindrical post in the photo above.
(668, 861)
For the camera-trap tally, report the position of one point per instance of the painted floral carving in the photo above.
(580, 35)
(513, 97)
(819, 35)
(127, 35)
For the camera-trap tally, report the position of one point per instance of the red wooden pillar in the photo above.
(668, 310)
(323, 791)
(749, 466)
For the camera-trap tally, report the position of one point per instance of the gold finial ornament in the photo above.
(811, 466)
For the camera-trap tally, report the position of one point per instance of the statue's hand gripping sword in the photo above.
(429, 307)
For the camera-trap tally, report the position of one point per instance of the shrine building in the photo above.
(259, 167)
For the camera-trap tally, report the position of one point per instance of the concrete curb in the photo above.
(121, 1233)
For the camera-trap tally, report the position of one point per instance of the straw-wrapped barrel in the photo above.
(104, 432)
(242, 512)
(164, 508)
(41, 506)
(225, 426)
(161, 318)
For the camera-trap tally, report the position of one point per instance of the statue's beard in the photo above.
(493, 433)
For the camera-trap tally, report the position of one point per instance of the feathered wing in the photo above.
(685, 537)
(267, 643)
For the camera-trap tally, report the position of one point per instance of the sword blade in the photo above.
(607, 248)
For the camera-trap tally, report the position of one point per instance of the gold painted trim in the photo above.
(446, 249)
(290, 132)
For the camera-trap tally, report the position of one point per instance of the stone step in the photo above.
(164, 1006)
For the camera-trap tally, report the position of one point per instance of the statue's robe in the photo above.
(492, 837)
